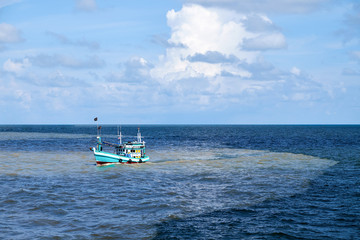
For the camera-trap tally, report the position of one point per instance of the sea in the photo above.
(202, 182)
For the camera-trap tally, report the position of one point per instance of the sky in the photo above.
(180, 61)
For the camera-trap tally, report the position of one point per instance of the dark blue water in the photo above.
(202, 182)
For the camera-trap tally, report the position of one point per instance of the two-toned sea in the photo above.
(202, 182)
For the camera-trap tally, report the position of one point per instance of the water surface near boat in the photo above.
(202, 182)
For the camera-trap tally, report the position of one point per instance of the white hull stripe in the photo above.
(117, 157)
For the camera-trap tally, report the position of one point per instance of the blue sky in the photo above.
(180, 62)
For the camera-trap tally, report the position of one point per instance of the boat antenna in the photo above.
(119, 135)
(139, 135)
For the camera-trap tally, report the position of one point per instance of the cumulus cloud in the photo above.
(57, 60)
(214, 58)
(9, 33)
(208, 43)
(267, 6)
(86, 5)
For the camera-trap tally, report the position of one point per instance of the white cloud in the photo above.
(86, 5)
(9, 33)
(16, 67)
(215, 58)
(209, 42)
(201, 30)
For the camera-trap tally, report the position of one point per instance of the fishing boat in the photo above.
(128, 152)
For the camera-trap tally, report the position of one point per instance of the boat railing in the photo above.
(111, 144)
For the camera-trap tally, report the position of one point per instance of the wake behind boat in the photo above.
(129, 152)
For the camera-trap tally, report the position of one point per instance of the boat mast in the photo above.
(97, 128)
(139, 135)
(119, 136)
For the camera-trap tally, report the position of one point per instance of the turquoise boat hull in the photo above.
(102, 157)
